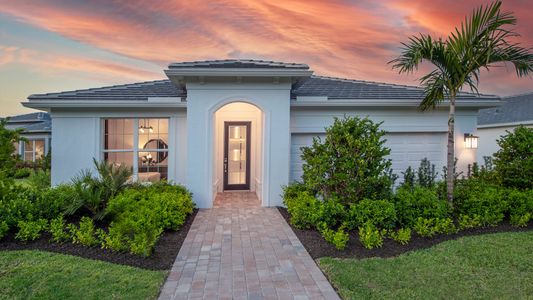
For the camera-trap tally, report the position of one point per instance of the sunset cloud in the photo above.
(352, 39)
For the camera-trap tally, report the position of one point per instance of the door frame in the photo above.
(246, 185)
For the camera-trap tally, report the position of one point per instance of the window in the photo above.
(33, 150)
(141, 144)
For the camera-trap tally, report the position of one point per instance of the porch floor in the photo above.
(240, 250)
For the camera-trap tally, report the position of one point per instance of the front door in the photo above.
(237, 155)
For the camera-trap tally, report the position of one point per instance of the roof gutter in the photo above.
(45, 105)
(391, 103)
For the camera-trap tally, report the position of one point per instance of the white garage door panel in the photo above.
(407, 149)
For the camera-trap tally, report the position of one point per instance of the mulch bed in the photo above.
(165, 251)
(317, 247)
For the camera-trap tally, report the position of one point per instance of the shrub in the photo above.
(30, 230)
(514, 160)
(3, 229)
(40, 180)
(338, 238)
(17, 204)
(380, 213)
(468, 222)
(304, 210)
(57, 230)
(84, 234)
(370, 236)
(7, 139)
(331, 212)
(430, 227)
(350, 163)
(484, 201)
(426, 174)
(402, 236)
(140, 215)
(418, 202)
(22, 173)
(520, 206)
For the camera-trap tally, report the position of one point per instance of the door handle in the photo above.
(225, 165)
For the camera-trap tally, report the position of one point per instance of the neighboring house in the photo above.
(37, 129)
(239, 124)
(492, 123)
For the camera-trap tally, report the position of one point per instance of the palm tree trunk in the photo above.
(450, 174)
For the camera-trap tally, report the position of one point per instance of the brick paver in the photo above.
(240, 250)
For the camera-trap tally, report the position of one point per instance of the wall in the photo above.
(239, 111)
(77, 139)
(203, 100)
(411, 135)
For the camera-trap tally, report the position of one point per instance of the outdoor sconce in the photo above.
(470, 141)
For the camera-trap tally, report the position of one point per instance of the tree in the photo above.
(482, 41)
(514, 161)
(8, 137)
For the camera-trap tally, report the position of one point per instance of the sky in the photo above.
(60, 45)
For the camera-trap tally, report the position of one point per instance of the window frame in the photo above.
(22, 152)
(135, 151)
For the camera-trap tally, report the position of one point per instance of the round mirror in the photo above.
(157, 144)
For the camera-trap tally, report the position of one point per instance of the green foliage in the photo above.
(30, 230)
(520, 206)
(408, 177)
(93, 193)
(52, 201)
(349, 164)
(140, 215)
(402, 236)
(380, 213)
(57, 230)
(468, 222)
(338, 238)
(84, 233)
(426, 174)
(7, 139)
(331, 211)
(514, 160)
(430, 227)
(17, 204)
(419, 202)
(40, 180)
(370, 236)
(473, 198)
(22, 173)
(303, 208)
(4, 228)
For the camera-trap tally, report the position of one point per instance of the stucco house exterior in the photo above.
(492, 123)
(239, 125)
(37, 130)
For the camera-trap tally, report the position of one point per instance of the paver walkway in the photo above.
(239, 250)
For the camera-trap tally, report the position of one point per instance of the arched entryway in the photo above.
(238, 148)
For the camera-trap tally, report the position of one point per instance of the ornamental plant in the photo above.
(514, 161)
(350, 163)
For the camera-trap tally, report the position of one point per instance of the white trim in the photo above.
(529, 122)
(164, 99)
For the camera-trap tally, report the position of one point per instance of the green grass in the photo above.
(43, 275)
(492, 266)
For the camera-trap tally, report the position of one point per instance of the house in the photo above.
(37, 130)
(239, 125)
(492, 123)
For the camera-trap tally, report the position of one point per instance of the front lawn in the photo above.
(36, 274)
(495, 266)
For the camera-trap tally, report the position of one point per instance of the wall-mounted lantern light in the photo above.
(471, 141)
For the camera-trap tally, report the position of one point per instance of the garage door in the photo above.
(407, 149)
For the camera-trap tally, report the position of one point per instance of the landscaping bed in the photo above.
(163, 256)
(318, 247)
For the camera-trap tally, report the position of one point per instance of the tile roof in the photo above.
(31, 117)
(31, 123)
(125, 92)
(514, 109)
(238, 63)
(340, 88)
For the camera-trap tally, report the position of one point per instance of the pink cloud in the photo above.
(337, 38)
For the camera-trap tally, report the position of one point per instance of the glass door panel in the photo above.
(236, 156)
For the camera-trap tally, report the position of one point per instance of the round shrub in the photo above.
(304, 209)
(380, 213)
(418, 202)
(514, 161)
(482, 202)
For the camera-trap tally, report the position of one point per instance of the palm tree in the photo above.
(482, 41)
